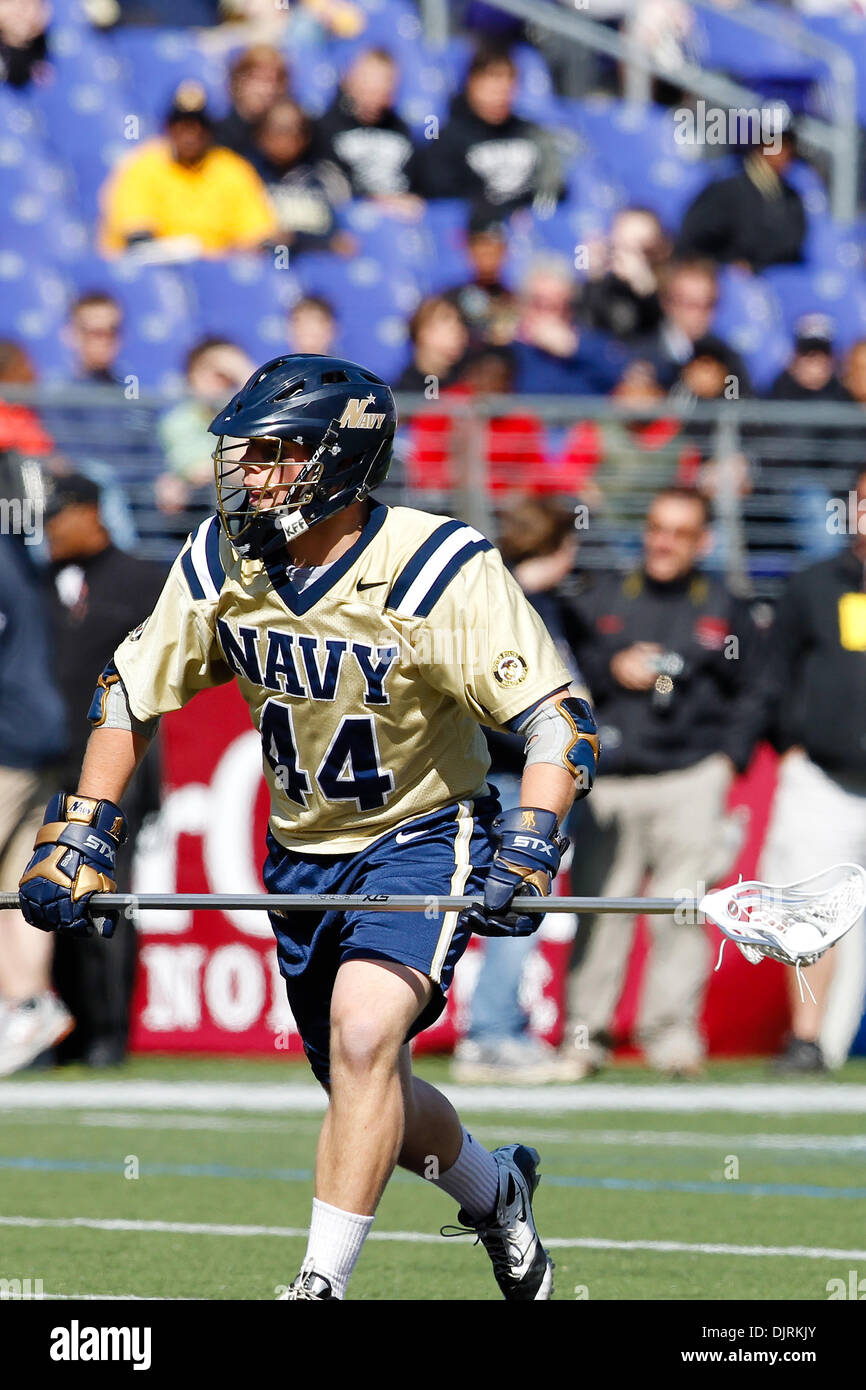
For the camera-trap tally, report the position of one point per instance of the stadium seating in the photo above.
(372, 306)
(720, 39)
(107, 92)
(244, 298)
(838, 293)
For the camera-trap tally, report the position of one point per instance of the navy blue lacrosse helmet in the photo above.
(333, 418)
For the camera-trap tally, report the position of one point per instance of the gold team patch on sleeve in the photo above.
(509, 668)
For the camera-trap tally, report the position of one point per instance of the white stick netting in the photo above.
(795, 922)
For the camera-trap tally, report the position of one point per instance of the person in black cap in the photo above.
(756, 218)
(795, 456)
(185, 186)
(811, 373)
(97, 595)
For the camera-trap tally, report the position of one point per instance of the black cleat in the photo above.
(523, 1268)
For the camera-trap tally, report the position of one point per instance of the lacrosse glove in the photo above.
(526, 863)
(74, 857)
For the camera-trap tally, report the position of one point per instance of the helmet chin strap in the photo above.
(292, 524)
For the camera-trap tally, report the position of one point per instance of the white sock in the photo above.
(473, 1180)
(335, 1242)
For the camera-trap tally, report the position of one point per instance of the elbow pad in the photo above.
(564, 732)
(109, 708)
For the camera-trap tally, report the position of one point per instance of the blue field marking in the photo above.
(155, 1170)
(227, 1170)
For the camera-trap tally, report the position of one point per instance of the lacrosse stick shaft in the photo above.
(343, 902)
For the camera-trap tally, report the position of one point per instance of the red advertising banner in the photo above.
(209, 982)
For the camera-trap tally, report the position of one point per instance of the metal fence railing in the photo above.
(779, 474)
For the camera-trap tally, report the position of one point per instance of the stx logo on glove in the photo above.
(530, 842)
(101, 846)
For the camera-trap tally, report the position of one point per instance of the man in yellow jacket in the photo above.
(183, 185)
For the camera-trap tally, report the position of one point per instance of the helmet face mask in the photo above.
(329, 421)
(243, 499)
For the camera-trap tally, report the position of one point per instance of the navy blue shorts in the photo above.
(446, 852)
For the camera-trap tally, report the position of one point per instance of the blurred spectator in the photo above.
(552, 354)
(20, 426)
(487, 307)
(258, 78)
(485, 151)
(94, 336)
(811, 373)
(312, 326)
(23, 40)
(754, 219)
(612, 463)
(440, 340)
(32, 739)
(215, 369)
(621, 297)
(537, 542)
(793, 455)
(671, 660)
(307, 22)
(183, 186)
(503, 453)
(303, 191)
(98, 594)
(689, 297)
(711, 375)
(817, 676)
(362, 133)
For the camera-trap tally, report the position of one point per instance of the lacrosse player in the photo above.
(370, 643)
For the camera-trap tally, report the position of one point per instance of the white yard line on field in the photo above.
(683, 1139)
(203, 1228)
(749, 1098)
(582, 1138)
(114, 1298)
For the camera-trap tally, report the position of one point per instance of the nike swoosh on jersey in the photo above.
(375, 584)
(401, 837)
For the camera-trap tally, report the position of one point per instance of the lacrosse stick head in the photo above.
(793, 922)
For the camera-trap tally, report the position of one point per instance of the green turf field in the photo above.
(633, 1198)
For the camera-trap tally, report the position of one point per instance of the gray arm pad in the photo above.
(548, 735)
(118, 715)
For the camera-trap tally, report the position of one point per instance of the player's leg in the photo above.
(494, 1190)
(373, 1006)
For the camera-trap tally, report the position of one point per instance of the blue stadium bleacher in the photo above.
(244, 299)
(155, 61)
(637, 148)
(838, 293)
(59, 141)
(719, 39)
(33, 309)
(849, 32)
(372, 305)
(158, 326)
(749, 318)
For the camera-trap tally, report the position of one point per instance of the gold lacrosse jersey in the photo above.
(368, 685)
